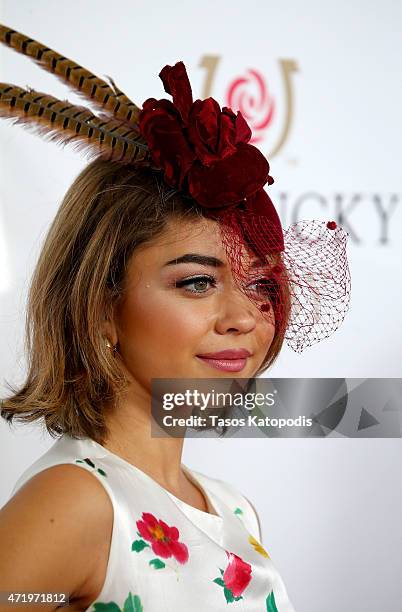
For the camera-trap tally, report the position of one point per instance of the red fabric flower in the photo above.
(230, 180)
(164, 539)
(201, 148)
(162, 128)
(237, 575)
(215, 133)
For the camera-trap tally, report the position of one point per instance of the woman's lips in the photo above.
(229, 365)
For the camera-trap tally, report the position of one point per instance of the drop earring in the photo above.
(114, 348)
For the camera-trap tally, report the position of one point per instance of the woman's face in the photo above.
(174, 312)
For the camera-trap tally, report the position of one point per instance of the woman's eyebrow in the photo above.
(206, 260)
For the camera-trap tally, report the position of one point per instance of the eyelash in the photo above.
(211, 279)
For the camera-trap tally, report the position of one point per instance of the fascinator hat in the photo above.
(203, 151)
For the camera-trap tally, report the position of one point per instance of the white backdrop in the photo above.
(324, 82)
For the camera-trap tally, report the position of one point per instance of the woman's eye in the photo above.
(197, 281)
(265, 285)
(200, 284)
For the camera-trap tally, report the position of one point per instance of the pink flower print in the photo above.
(235, 578)
(164, 539)
(237, 574)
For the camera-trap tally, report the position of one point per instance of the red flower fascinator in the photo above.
(303, 280)
(203, 150)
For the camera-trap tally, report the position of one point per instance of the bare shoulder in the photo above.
(55, 534)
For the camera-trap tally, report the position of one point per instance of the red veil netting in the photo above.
(306, 279)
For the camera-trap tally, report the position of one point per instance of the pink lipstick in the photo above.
(229, 360)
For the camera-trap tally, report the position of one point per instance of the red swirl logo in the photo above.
(250, 96)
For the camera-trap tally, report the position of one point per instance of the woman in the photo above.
(164, 318)
(142, 276)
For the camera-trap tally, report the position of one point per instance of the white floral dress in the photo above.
(166, 555)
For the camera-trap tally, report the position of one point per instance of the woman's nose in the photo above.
(236, 312)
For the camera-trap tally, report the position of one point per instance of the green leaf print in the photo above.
(229, 595)
(106, 607)
(270, 601)
(132, 604)
(227, 592)
(139, 545)
(92, 465)
(238, 511)
(157, 563)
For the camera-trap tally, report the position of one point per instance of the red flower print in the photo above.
(164, 539)
(237, 575)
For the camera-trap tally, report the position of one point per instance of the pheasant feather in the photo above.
(64, 123)
(101, 94)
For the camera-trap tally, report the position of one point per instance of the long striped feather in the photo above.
(64, 123)
(87, 85)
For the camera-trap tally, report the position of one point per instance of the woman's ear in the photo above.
(109, 331)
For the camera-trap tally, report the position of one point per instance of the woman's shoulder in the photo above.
(50, 515)
(60, 481)
(64, 451)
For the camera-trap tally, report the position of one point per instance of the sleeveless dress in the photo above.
(165, 555)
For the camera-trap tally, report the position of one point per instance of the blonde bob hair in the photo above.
(108, 211)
